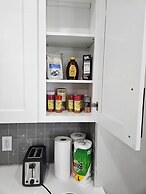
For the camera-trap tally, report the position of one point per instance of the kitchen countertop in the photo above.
(11, 183)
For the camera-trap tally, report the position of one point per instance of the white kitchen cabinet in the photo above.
(18, 61)
(66, 27)
(113, 32)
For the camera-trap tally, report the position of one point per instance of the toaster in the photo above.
(34, 166)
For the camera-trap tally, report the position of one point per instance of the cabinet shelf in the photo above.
(70, 116)
(70, 81)
(70, 3)
(69, 40)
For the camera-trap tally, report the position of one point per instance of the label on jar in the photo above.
(70, 104)
(77, 106)
(58, 106)
(62, 92)
(50, 105)
(72, 71)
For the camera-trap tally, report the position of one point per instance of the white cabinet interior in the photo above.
(70, 30)
(70, 17)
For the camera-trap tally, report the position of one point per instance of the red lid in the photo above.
(50, 97)
(82, 96)
(70, 96)
(58, 97)
(77, 97)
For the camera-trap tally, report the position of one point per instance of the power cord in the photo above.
(46, 188)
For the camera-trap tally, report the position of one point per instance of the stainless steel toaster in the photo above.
(34, 166)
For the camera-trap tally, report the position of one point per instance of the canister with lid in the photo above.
(62, 92)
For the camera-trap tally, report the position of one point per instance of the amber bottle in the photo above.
(72, 70)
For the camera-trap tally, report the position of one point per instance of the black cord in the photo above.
(47, 189)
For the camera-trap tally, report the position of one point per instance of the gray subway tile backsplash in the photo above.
(49, 130)
(3, 130)
(27, 134)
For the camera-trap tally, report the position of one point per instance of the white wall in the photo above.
(121, 170)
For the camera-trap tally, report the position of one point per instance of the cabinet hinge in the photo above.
(95, 105)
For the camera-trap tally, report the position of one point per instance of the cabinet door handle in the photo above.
(142, 120)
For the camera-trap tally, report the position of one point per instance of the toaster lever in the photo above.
(32, 165)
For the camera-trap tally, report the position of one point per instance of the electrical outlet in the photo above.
(7, 143)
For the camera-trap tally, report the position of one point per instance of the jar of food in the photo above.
(72, 70)
(70, 103)
(87, 104)
(50, 101)
(77, 103)
(82, 101)
(58, 103)
(62, 92)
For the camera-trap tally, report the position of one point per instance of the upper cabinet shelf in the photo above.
(69, 40)
(70, 3)
(70, 81)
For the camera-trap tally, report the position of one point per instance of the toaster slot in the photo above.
(32, 153)
(38, 153)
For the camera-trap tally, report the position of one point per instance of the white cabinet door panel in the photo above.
(18, 60)
(124, 70)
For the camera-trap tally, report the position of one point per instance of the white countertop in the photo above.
(11, 183)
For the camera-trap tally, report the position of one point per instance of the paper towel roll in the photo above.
(62, 158)
(82, 161)
(84, 145)
(77, 136)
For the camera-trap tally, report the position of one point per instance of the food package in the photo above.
(54, 66)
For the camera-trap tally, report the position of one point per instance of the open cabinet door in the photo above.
(124, 70)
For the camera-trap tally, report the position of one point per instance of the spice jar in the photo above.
(82, 101)
(87, 104)
(50, 101)
(62, 92)
(58, 103)
(77, 103)
(70, 103)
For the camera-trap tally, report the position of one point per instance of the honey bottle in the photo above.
(72, 70)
